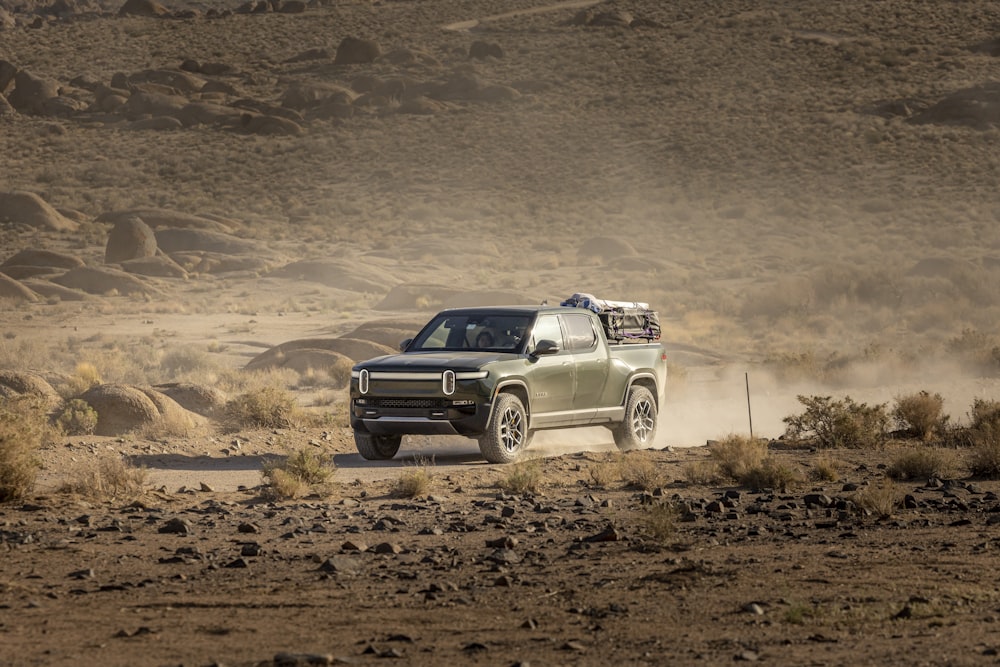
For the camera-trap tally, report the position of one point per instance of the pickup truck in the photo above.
(500, 374)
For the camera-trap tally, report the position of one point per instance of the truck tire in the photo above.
(376, 447)
(639, 426)
(507, 432)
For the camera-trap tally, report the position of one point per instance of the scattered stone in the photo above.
(355, 51)
(177, 526)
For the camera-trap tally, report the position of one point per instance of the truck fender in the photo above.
(646, 378)
(519, 387)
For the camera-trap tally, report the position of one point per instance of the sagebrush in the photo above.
(23, 429)
(830, 423)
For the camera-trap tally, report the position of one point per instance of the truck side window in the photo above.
(580, 332)
(547, 328)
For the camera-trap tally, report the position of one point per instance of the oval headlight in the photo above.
(448, 383)
(363, 381)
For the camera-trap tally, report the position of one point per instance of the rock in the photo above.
(43, 258)
(7, 72)
(14, 290)
(104, 280)
(481, 50)
(160, 266)
(143, 103)
(358, 350)
(24, 383)
(348, 565)
(819, 500)
(31, 93)
(29, 209)
(274, 126)
(355, 51)
(49, 290)
(6, 108)
(292, 7)
(172, 240)
(130, 238)
(162, 217)
(200, 399)
(158, 123)
(150, 8)
(216, 263)
(977, 107)
(310, 94)
(122, 409)
(176, 526)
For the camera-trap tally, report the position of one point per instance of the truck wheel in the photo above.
(376, 447)
(639, 427)
(507, 433)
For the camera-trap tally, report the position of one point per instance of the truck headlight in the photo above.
(363, 381)
(448, 382)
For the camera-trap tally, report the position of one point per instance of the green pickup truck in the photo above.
(499, 374)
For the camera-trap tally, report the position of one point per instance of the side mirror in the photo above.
(545, 347)
(405, 344)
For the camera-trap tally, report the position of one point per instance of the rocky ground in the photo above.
(578, 572)
(198, 198)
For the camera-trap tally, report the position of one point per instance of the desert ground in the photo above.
(200, 201)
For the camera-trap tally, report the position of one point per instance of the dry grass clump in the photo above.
(23, 428)
(659, 521)
(107, 478)
(77, 418)
(84, 377)
(702, 473)
(833, 423)
(881, 500)
(984, 414)
(746, 461)
(639, 471)
(301, 472)
(523, 478)
(922, 463)
(824, 469)
(186, 361)
(984, 459)
(734, 455)
(921, 415)
(265, 407)
(415, 481)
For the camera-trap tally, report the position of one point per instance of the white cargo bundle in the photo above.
(622, 320)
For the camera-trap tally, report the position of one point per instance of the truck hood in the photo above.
(432, 361)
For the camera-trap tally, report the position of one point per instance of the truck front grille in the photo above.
(404, 403)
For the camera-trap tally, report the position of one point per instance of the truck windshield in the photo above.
(486, 332)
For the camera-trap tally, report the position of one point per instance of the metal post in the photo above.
(749, 412)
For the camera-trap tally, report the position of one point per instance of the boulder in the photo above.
(50, 290)
(24, 383)
(104, 280)
(122, 409)
(310, 359)
(358, 350)
(14, 290)
(161, 217)
(7, 72)
(43, 258)
(308, 94)
(31, 92)
(159, 124)
(215, 262)
(273, 126)
(22, 272)
(130, 238)
(977, 107)
(182, 82)
(141, 104)
(197, 398)
(29, 209)
(355, 51)
(205, 113)
(150, 8)
(159, 266)
(481, 50)
(173, 239)
(339, 273)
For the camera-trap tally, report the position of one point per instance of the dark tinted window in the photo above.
(580, 332)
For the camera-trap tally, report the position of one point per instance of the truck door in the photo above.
(590, 358)
(553, 377)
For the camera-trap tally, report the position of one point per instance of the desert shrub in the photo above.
(83, 378)
(185, 360)
(975, 349)
(841, 423)
(603, 474)
(984, 414)
(107, 478)
(735, 455)
(881, 500)
(266, 407)
(921, 415)
(921, 463)
(659, 521)
(769, 474)
(824, 469)
(77, 418)
(702, 473)
(524, 477)
(984, 459)
(415, 481)
(302, 471)
(23, 428)
(639, 471)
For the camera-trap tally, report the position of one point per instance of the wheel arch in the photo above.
(646, 380)
(516, 387)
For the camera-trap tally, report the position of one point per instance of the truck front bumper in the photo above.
(418, 417)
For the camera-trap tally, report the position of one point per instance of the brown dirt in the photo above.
(785, 207)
